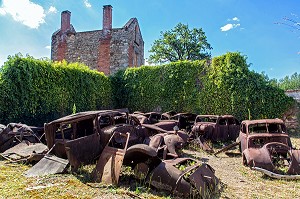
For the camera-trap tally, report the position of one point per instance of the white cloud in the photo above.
(52, 10)
(48, 47)
(226, 27)
(87, 4)
(235, 19)
(2, 11)
(24, 11)
(229, 26)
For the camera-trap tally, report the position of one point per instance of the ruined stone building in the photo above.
(106, 50)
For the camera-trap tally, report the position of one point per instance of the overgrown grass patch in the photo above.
(14, 184)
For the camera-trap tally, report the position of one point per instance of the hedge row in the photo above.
(168, 87)
(37, 91)
(226, 86)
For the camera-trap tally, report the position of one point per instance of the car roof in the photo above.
(263, 121)
(85, 115)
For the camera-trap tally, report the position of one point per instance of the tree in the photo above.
(180, 43)
(292, 82)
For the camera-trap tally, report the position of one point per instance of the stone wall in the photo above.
(107, 50)
(127, 47)
(83, 47)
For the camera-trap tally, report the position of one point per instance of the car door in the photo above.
(221, 130)
(233, 128)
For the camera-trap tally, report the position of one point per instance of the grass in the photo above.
(14, 185)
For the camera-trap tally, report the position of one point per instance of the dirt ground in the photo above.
(238, 181)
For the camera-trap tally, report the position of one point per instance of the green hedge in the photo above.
(234, 89)
(37, 91)
(226, 86)
(168, 87)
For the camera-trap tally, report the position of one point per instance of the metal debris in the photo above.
(184, 177)
(15, 133)
(25, 151)
(109, 165)
(49, 164)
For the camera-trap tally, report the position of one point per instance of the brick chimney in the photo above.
(104, 44)
(107, 19)
(64, 28)
(65, 21)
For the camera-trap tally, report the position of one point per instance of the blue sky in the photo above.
(246, 26)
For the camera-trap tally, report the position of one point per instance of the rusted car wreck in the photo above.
(112, 139)
(215, 128)
(266, 147)
(184, 177)
(157, 160)
(21, 143)
(76, 140)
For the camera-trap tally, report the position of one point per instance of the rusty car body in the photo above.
(109, 165)
(167, 120)
(78, 137)
(21, 143)
(25, 152)
(147, 118)
(185, 120)
(184, 177)
(265, 145)
(216, 128)
(168, 115)
(15, 133)
(156, 144)
(143, 141)
(76, 140)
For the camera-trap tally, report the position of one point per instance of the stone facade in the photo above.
(106, 50)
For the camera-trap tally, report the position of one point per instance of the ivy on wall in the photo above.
(37, 91)
(243, 93)
(169, 87)
(226, 86)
